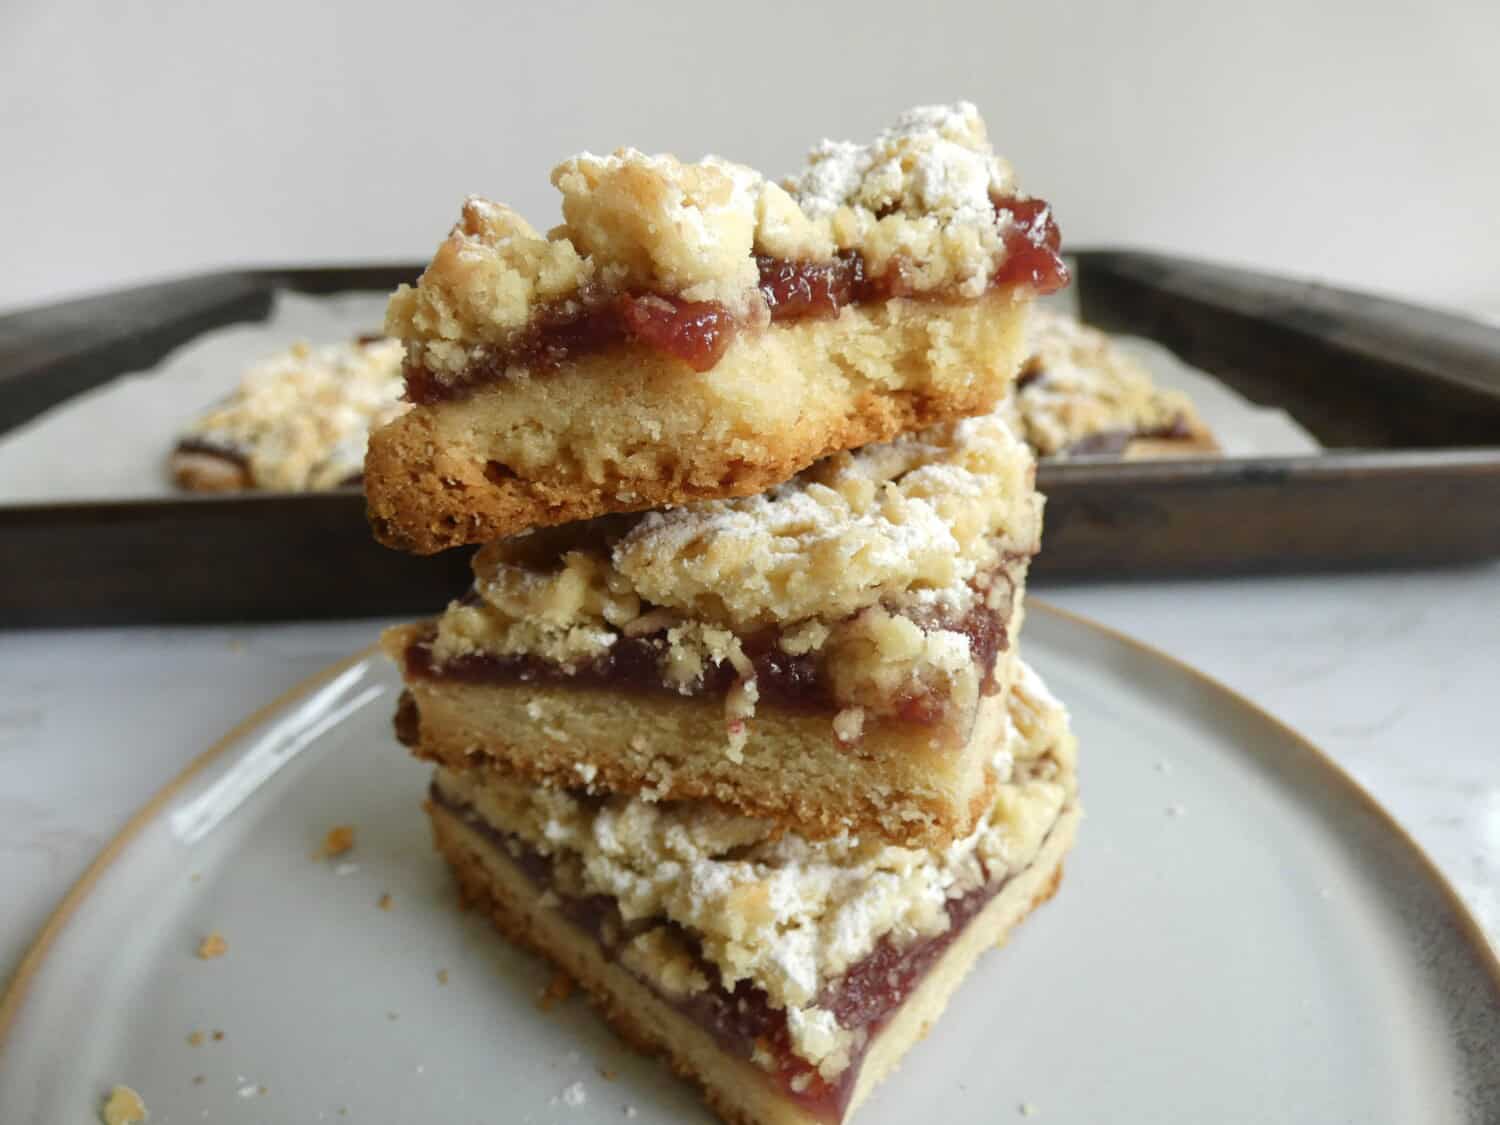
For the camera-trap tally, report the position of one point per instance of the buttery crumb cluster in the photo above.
(922, 195)
(1079, 383)
(766, 905)
(301, 419)
(866, 559)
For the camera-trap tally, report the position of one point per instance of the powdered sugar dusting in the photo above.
(935, 160)
(920, 514)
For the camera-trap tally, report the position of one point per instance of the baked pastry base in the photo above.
(910, 783)
(736, 1089)
(629, 429)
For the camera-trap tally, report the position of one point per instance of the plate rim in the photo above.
(17, 987)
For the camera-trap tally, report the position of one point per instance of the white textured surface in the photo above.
(1273, 919)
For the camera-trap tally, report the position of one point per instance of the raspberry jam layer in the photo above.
(1112, 443)
(741, 1019)
(698, 332)
(797, 682)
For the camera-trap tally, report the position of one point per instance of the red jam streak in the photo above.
(698, 332)
(742, 1019)
(634, 664)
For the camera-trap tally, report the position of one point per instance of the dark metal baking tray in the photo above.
(1406, 399)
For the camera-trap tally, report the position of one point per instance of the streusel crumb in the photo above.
(123, 1107)
(338, 841)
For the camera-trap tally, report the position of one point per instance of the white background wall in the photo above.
(1349, 140)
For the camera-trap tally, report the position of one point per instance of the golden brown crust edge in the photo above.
(423, 499)
(478, 890)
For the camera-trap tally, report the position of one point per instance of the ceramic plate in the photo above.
(1242, 935)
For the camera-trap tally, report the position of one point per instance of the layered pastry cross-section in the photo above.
(298, 422)
(785, 976)
(1080, 394)
(835, 652)
(696, 331)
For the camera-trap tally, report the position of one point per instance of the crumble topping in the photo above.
(921, 196)
(866, 558)
(300, 419)
(1078, 382)
(765, 904)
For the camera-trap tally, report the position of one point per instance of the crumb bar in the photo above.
(298, 422)
(835, 651)
(1078, 394)
(696, 331)
(784, 976)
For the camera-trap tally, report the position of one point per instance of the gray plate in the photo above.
(1242, 935)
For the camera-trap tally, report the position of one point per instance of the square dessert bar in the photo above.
(784, 976)
(298, 422)
(696, 331)
(1079, 394)
(835, 652)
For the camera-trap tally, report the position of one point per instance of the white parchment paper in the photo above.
(112, 443)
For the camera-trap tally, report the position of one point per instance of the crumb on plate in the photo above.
(123, 1107)
(339, 840)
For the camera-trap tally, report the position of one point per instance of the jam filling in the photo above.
(797, 682)
(205, 448)
(1112, 443)
(741, 1019)
(698, 332)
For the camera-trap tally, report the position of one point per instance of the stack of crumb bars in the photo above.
(732, 724)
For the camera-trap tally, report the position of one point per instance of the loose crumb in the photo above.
(1176, 810)
(218, 1037)
(213, 946)
(339, 840)
(559, 988)
(123, 1107)
(195, 1038)
(607, 1074)
(1163, 766)
(1027, 1109)
(199, 1079)
(346, 869)
(442, 975)
(247, 1090)
(630, 1111)
(575, 1095)
(384, 902)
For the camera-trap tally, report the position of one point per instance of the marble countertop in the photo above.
(1393, 674)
